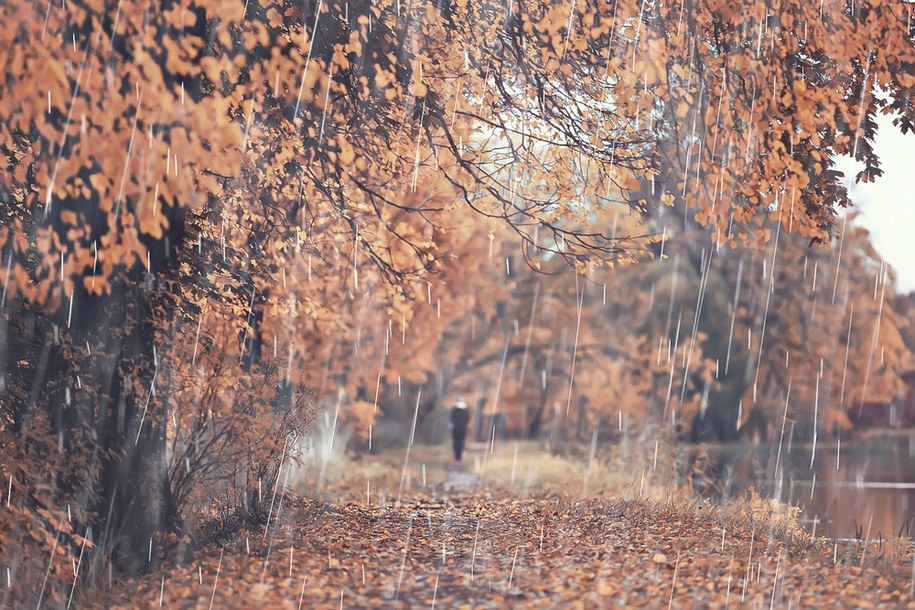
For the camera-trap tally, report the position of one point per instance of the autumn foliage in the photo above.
(214, 213)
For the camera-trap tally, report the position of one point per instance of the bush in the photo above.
(230, 432)
(227, 453)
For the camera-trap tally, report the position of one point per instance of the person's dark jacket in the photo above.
(459, 419)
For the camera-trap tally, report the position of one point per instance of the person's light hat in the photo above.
(461, 403)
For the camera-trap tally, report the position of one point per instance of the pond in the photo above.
(847, 489)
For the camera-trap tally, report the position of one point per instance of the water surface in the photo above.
(847, 489)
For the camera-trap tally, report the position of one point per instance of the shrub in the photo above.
(231, 434)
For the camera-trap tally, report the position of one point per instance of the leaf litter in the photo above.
(483, 548)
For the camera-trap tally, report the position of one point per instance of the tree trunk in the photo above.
(135, 499)
(90, 367)
(536, 421)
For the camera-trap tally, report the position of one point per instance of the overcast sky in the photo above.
(887, 208)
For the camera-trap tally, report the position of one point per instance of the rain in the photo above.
(597, 303)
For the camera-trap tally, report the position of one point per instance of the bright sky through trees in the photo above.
(885, 205)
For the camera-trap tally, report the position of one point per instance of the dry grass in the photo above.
(523, 468)
(527, 469)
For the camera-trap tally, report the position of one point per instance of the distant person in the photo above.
(460, 417)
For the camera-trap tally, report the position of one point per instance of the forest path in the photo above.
(482, 549)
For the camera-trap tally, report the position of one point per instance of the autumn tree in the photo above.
(280, 133)
(843, 340)
(547, 350)
(796, 333)
(757, 100)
